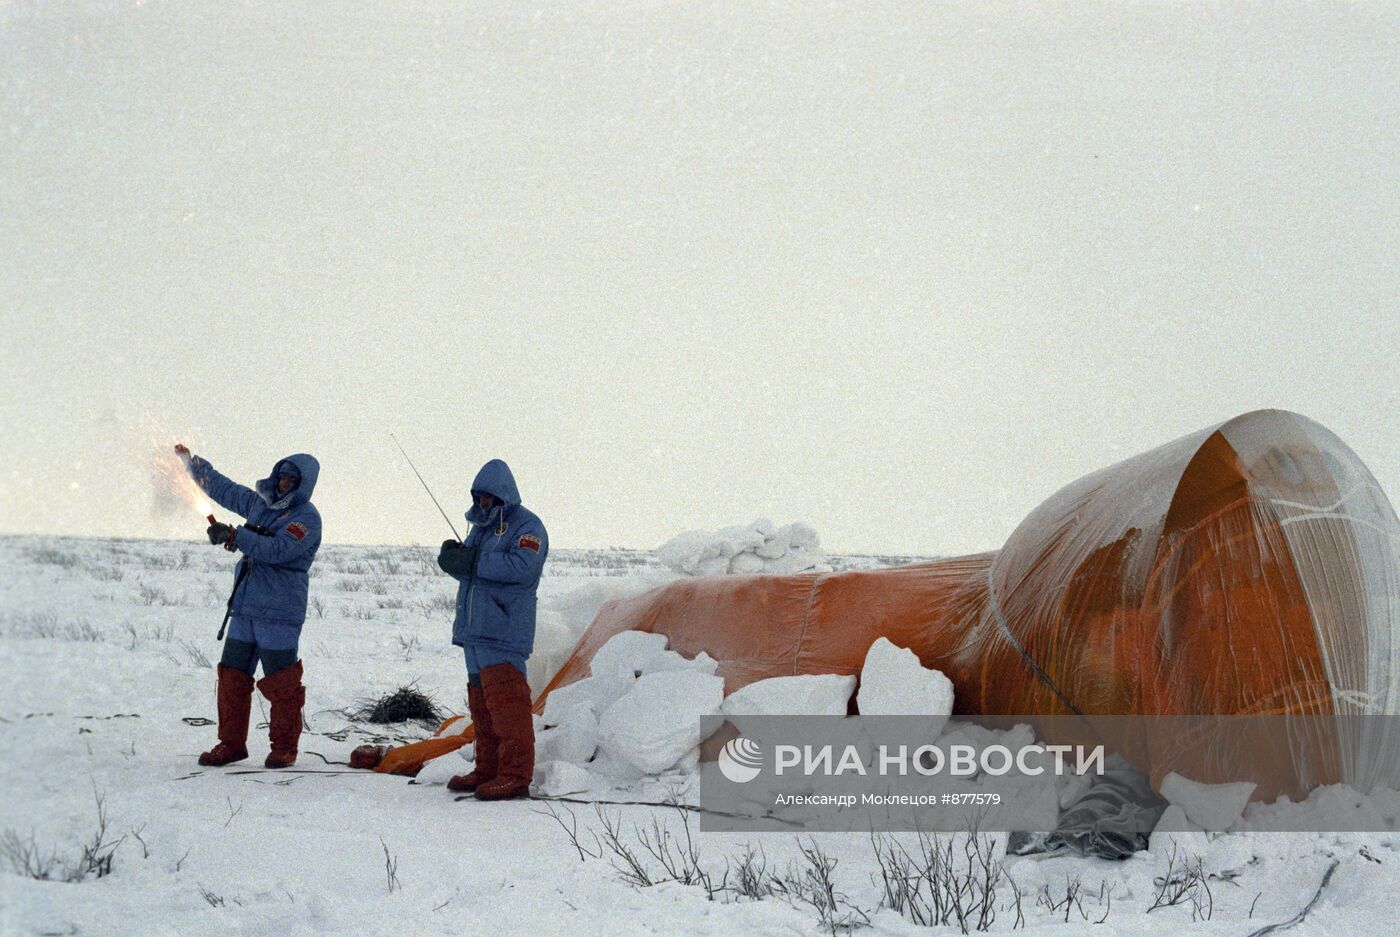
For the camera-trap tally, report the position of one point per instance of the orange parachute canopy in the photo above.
(1248, 569)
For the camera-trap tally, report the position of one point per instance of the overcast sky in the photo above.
(897, 270)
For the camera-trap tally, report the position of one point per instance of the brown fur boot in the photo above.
(508, 701)
(487, 744)
(235, 701)
(286, 694)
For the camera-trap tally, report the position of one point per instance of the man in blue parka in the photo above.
(268, 606)
(498, 571)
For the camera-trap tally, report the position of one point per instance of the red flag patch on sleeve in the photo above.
(529, 542)
(297, 530)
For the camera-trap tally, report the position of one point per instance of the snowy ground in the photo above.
(106, 648)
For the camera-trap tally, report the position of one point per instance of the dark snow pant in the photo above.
(251, 640)
(480, 657)
(245, 656)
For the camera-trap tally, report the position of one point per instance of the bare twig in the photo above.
(1298, 918)
(571, 830)
(1184, 880)
(232, 811)
(391, 867)
(624, 859)
(145, 850)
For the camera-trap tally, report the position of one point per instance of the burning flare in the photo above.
(172, 468)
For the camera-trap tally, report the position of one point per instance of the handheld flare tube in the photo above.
(212, 521)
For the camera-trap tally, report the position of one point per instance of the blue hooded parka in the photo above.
(277, 582)
(496, 605)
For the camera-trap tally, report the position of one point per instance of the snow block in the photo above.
(736, 540)
(614, 770)
(715, 566)
(558, 778)
(774, 546)
(1176, 831)
(894, 683)
(574, 739)
(757, 548)
(627, 654)
(440, 770)
(597, 693)
(803, 695)
(1210, 806)
(670, 660)
(746, 564)
(658, 722)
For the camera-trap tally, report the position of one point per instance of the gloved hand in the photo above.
(457, 559)
(220, 535)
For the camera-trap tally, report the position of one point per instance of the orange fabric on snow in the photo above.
(409, 759)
